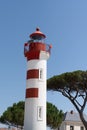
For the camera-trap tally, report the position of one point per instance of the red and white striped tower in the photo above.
(37, 52)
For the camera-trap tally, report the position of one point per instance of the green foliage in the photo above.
(54, 116)
(14, 114)
(74, 81)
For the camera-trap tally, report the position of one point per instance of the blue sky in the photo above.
(65, 24)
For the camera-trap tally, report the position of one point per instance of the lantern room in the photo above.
(36, 44)
(37, 36)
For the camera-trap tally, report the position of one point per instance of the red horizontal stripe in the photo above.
(32, 93)
(34, 73)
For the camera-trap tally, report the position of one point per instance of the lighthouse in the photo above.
(37, 53)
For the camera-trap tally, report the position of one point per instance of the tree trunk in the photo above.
(83, 120)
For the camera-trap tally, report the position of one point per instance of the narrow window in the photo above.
(40, 113)
(40, 73)
(71, 127)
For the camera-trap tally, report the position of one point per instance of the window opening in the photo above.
(40, 113)
(40, 73)
(71, 127)
(81, 128)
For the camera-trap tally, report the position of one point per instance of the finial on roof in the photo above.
(37, 29)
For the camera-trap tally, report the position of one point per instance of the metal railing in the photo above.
(26, 47)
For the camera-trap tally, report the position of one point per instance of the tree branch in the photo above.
(84, 103)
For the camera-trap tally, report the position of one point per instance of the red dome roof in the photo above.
(37, 33)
